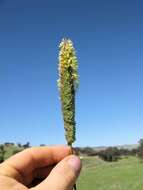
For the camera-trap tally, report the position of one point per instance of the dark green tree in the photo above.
(2, 153)
(141, 143)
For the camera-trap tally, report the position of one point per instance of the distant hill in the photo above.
(126, 146)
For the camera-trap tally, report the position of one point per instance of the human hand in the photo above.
(58, 169)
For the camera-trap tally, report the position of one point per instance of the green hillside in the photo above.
(126, 174)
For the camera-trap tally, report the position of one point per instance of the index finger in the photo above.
(32, 158)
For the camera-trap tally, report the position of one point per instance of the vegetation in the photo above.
(126, 174)
(110, 154)
(2, 152)
(67, 83)
(107, 154)
(141, 143)
(140, 149)
(8, 149)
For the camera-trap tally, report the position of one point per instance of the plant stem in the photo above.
(72, 152)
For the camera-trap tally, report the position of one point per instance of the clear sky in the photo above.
(108, 37)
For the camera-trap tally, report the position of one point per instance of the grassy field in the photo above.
(126, 174)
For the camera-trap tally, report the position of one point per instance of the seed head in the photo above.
(68, 83)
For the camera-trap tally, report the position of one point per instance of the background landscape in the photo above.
(112, 168)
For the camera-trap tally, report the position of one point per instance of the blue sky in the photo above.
(108, 39)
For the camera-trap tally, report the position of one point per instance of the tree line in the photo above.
(112, 153)
(109, 154)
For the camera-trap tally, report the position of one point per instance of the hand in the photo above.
(54, 165)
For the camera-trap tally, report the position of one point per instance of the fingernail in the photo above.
(75, 163)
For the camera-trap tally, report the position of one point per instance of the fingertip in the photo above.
(75, 163)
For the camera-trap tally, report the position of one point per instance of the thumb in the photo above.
(63, 175)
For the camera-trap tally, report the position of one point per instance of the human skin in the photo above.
(54, 166)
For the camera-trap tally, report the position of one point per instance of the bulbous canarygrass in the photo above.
(68, 83)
